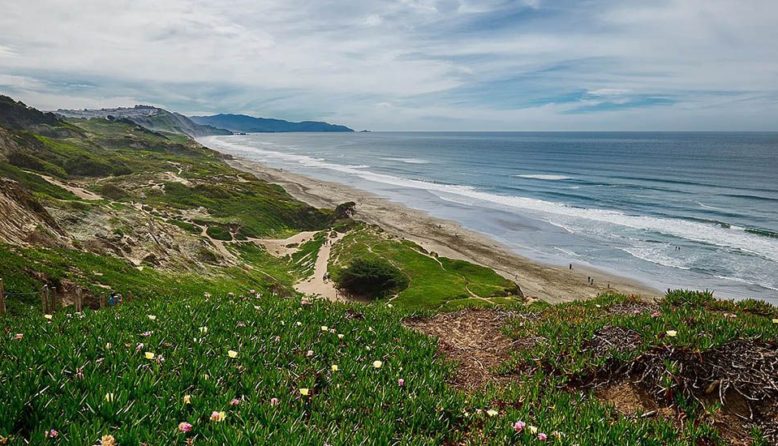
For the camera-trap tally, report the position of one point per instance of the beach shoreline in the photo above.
(447, 238)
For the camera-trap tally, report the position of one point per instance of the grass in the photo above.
(434, 281)
(59, 374)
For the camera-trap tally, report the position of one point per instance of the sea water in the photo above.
(691, 210)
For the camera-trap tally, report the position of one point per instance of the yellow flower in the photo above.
(149, 355)
(532, 429)
(304, 391)
(109, 397)
(672, 333)
(108, 346)
(203, 330)
(775, 321)
(340, 335)
(47, 316)
(232, 354)
(324, 328)
(334, 367)
(107, 440)
(218, 416)
(378, 364)
(491, 412)
(187, 399)
(152, 317)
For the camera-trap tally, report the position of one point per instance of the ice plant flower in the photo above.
(52, 433)
(203, 330)
(232, 354)
(218, 416)
(146, 334)
(235, 402)
(542, 436)
(139, 347)
(19, 336)
(152, 317)
(671, 333)
(401, 382)
(340, 335)
(187, 399)
(519, 426)
(108, 345)
(324, 328)
(47, 316)
(378, 364)
(492, 412)
(274, 401)
(110, 397)
(149, 355)
(533, 430)
(334, 367)
(107, 440)
(656, 314)
(185, 427)
(298, 323)
(304, 391)
(775, 321)
(309, 353)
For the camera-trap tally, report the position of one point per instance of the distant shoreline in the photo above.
(537, 280)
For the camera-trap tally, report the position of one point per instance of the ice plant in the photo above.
(304, 391)
(274, 401)
(340, 335)
(149, 355)
(235, 402)
(775, 321)
(378, 364)
(533, 430)
(324, 328)
(334, 367)
(519, 426)
(542, 436)
(218, 416)
(187, 399)
(185, 427)
(232, 354)
(671, 333)
(492, 412)
(401, 382)
(52, 433)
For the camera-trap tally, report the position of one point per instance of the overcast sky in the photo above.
(406, 64)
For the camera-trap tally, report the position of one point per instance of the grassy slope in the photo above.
(434, 282)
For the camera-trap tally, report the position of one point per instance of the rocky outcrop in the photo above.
(25, 221)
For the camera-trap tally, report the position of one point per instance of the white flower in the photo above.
(334, 367)
(324, 328)
(47, 316)
(203, 330)
(340, 335)
(152, 317)
(672, 333)
(110, 397)
(378, 364)
(492, 412)
(232, 354)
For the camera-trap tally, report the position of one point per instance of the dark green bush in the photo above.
(371, 278)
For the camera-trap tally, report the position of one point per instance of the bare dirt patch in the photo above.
(473, 338)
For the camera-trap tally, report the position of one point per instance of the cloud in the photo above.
(437, 64)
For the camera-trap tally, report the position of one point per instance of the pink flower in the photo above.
(52, 433)
(274, 401)
(519, 426)
(19, 336)
(139, 347)
(234, 402)
(542, 436)
(146, 334)
(185, 427)
(656, 314)
(401, 382)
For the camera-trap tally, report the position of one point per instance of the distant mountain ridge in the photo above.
(152, 118)
(250, 124)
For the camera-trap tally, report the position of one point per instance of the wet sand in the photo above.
(537, 280)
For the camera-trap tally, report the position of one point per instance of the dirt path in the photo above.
(79, 192)
(286, 246)
(316, 284)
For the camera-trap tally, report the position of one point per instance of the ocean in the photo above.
(672, 210)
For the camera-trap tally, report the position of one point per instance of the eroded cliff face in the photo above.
(24, 221)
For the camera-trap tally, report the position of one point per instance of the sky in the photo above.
(525, 65)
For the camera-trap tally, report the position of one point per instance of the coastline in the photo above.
(447, 238)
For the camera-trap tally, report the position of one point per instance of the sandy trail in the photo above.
(316, 284)
(449, 239)
(79, 192)
(286, 246)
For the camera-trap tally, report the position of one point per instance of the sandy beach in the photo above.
(537, 280)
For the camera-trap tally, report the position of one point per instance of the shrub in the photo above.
(372, 278)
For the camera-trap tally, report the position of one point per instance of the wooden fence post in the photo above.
(2, 298)
(45, 299)
(78, 300)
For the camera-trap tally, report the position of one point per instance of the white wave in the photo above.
(737, 279)
(551, 211)
(655, 255)
(408, 160)
(544, 177)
